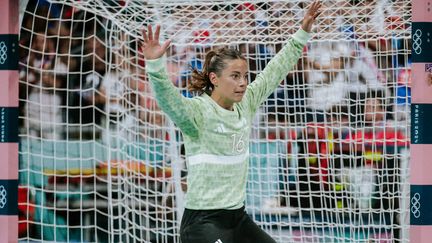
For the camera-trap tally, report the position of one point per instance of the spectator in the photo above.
(376, 145)
(89, 98)
(329, 65)
(113, 89)
(339, 121)
(377, 132)
(43, 109)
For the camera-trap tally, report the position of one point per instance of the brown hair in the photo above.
(214, 62)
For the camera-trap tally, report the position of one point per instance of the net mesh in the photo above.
(99, 161)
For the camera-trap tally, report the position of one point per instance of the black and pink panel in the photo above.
(421, 123)
(9, 120)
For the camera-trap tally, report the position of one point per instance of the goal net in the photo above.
(100, 162)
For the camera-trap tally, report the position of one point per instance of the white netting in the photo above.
(100, 162)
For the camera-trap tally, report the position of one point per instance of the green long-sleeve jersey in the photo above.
(217, 140)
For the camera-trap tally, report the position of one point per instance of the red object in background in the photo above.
(395, 23)
(317, 142)
(289, 136)
(391, 137)
(26, 211)
(384, 43)
(246, 6)
(405, 77)
(317, 146)
(385, 137)
(375, 142)
(68, 13)
(201, 36)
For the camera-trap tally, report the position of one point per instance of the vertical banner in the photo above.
(9, 121)
(421, 128)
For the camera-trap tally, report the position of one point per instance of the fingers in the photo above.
(314, 8)
(317, 5)
(145, 36)
(150, 33)
(150, 38)
(316, 14)
(166, 45)
(156, 35)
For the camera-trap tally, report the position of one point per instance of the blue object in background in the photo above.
(403, 95)
(185, 76)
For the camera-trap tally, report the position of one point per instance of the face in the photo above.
(231, 84)
(339, 120)
(43, 44)
(374, 110)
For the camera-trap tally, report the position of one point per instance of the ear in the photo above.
(213, 79)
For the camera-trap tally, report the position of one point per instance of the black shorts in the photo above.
(221, 226)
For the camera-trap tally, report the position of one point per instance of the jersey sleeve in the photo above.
(184, 112)
(278, 67)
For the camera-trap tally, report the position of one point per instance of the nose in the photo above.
(243, 82)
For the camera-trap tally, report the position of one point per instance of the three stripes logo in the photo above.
(220, 129)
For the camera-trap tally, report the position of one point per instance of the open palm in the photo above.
(151, 48)
(313, 11)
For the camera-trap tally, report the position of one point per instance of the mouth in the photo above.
(240, 92)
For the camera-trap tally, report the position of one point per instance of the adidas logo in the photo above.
(220, 129)
(218, 241)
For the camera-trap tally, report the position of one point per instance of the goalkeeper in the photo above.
(216, 126)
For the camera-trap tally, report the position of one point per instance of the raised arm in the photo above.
(269, 79)
(183, 112)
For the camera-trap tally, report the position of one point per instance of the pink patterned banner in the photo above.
(419, 234)
(9, 159)
(9, 231)
(421, 166)
(9, 17)
(422, 87)
(421, 10)
(9, 89)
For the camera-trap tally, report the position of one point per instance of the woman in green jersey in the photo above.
(216, 126)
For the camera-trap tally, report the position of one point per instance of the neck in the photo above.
(222, 102)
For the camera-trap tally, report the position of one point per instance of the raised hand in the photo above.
(313, 11)
(151, 48)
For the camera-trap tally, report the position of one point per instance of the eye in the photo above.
(235, 76)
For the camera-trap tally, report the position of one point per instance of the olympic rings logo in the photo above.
(415, 205)
(2, 197)
(417, 41)
(3, 52)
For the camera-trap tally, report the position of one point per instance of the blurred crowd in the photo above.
(82, 78)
